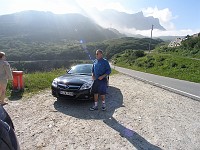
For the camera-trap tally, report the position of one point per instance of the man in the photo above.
(100, 71)
(5, 75)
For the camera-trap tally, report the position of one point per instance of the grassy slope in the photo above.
(34, 82)
(167, 65)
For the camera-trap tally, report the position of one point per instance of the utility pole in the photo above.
(150, 38)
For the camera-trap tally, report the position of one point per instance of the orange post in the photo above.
(18, 83)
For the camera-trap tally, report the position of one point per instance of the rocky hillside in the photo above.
(36, 25)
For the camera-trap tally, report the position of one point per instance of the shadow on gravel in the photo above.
(114, 100)
(133, 137)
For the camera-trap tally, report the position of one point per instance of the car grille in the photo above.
(69, 87)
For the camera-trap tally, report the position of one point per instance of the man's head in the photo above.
(2, 55)
(99, 54)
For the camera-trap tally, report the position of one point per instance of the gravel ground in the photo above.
(138, 116)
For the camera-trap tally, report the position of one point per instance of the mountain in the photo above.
(45, 26)
(125, 20)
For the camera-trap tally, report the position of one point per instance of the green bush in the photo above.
(174, 64)
(183, 66)
(138, 53)
(149, 65)
(160, 59)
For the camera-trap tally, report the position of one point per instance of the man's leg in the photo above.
(95, 106)
(102, 91)
(96, 96)
(2, 93)
(103, 97)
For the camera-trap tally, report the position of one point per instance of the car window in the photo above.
(81, 69)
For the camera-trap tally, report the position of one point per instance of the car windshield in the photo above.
(85, 69)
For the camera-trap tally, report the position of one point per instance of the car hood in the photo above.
(74, 79)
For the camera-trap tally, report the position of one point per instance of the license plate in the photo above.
(67, 93)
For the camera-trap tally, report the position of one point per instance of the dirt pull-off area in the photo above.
(138, 116)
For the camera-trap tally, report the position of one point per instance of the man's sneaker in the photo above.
(103, 107)
(94, 108)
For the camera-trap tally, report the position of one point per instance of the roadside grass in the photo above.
(38, 81)
(114, 72)
(182, 68)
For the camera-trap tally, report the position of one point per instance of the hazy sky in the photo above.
(179, 17)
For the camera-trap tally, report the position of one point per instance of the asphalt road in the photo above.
(186, 88)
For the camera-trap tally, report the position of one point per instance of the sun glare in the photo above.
(57, 7)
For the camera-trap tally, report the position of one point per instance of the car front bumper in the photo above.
(72, 94)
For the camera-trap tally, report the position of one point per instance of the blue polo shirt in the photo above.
(101, 67)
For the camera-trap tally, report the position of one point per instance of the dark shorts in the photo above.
(99, 87)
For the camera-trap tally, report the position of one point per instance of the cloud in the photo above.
(116, 6)
(164, 15)
(58, 6)
(157, 33)
(102, 5)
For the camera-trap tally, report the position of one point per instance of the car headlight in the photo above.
(86, 85)
(55, 83)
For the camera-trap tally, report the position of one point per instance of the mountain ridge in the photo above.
(48, 26)
(45, 26)
(122, 19)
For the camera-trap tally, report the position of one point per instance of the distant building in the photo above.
(176, 42)
(196, 35)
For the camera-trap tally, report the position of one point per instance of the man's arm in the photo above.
(107, 72)
(93, 77)
(8, 71)
(108, 69)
